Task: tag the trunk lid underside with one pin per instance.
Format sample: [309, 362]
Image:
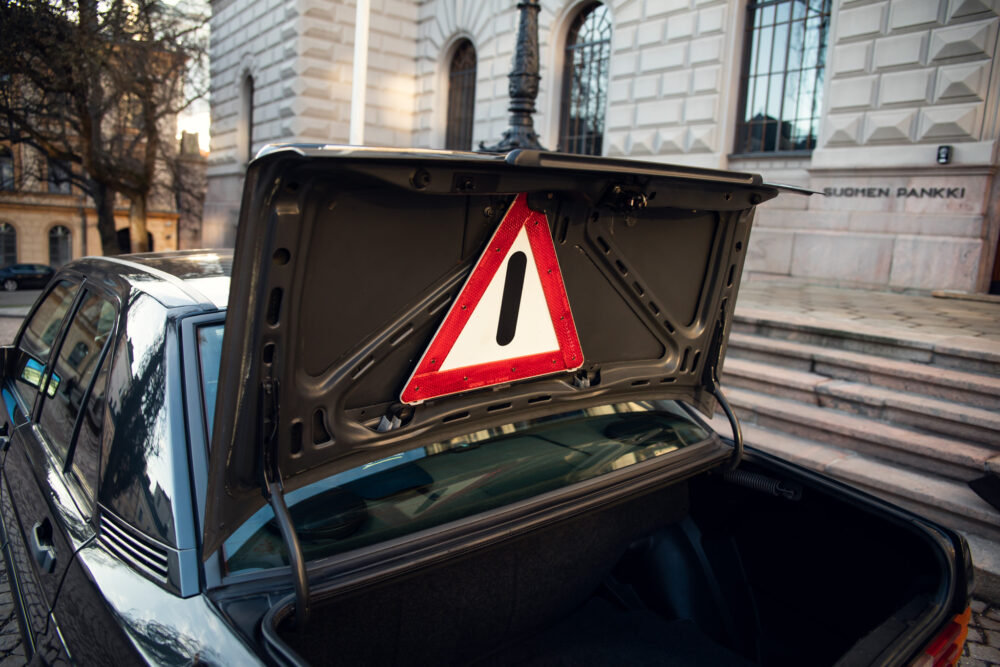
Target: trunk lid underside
[348, 260]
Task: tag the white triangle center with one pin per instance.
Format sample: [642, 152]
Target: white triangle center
[533, 334]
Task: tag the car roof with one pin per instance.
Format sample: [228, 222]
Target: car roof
[175, 279]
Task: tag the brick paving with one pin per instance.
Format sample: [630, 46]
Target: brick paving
[982, 647]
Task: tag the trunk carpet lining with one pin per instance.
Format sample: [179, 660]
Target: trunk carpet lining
[603, 634]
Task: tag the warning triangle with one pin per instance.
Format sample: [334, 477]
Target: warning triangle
[511, 320]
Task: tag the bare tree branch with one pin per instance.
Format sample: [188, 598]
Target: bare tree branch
[98, 84]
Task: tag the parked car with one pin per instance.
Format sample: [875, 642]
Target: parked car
[438, 408]
[25, 276]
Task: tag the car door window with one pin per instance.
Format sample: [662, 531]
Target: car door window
[73, 369]
[85, 454]
[37, 339]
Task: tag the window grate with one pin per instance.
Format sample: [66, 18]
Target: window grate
[782, 82]
[585, 81]
[461, 97]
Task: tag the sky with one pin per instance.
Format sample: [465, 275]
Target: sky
[196, 119]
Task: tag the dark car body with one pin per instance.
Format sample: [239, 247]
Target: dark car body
[109, 573]
[25, 276]
[128, 538]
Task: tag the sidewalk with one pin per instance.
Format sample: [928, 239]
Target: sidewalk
[970, 322]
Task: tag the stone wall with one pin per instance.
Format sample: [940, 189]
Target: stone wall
[903, 77]
[300, 54]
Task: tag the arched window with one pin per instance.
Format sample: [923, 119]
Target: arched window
[60, 246]
[461, 97]
[585, 81]
[245, 138]
[8, 244]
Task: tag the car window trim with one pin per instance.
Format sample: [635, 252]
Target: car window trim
[69, 473]
[197, 428]
[87, 507]
[30, 411]
[57, 343]
[105, 351]
[71, 276]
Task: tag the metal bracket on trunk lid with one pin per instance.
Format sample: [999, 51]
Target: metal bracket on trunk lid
[710, 378]
[274, 493]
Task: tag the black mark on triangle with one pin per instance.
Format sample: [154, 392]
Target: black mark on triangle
[510, 304]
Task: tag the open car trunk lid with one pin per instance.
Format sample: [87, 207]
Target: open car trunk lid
[349, 262]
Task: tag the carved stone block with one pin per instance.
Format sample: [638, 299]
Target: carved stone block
[962, 81]
[853, 92]
[900, 50]
[702, 139]
[956, 121]
[905, 87]
[851, 58]
[970, 39]
[843, 129]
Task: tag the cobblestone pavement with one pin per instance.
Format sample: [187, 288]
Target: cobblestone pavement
[982, 647]
[11, 646]
[905, 315]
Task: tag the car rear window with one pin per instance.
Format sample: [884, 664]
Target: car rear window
[452, 479]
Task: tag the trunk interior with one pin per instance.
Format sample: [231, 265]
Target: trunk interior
[704, 572]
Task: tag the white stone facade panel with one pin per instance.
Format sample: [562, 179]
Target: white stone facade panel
[938, 263]
[902, 77]
[862, 258]
[910, 13]
[769, 251]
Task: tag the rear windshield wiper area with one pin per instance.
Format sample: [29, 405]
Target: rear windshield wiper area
[453, 479]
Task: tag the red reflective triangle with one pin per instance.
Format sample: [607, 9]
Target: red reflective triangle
[511, 320]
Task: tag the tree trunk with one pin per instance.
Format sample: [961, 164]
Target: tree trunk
[104, 202]
[137, 224]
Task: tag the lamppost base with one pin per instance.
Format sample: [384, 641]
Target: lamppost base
[512, 139]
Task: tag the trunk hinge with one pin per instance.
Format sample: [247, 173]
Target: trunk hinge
[273, 491]
[710, 379]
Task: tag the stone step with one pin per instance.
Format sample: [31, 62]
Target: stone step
[790, 383]
[953, 420]
[965, 353]
[973, 389]
[950, 502]
[920, 451]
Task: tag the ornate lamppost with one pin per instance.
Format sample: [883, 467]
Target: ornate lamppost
[523, 87]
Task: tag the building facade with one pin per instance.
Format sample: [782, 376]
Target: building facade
[45, 219]
[890, 107]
